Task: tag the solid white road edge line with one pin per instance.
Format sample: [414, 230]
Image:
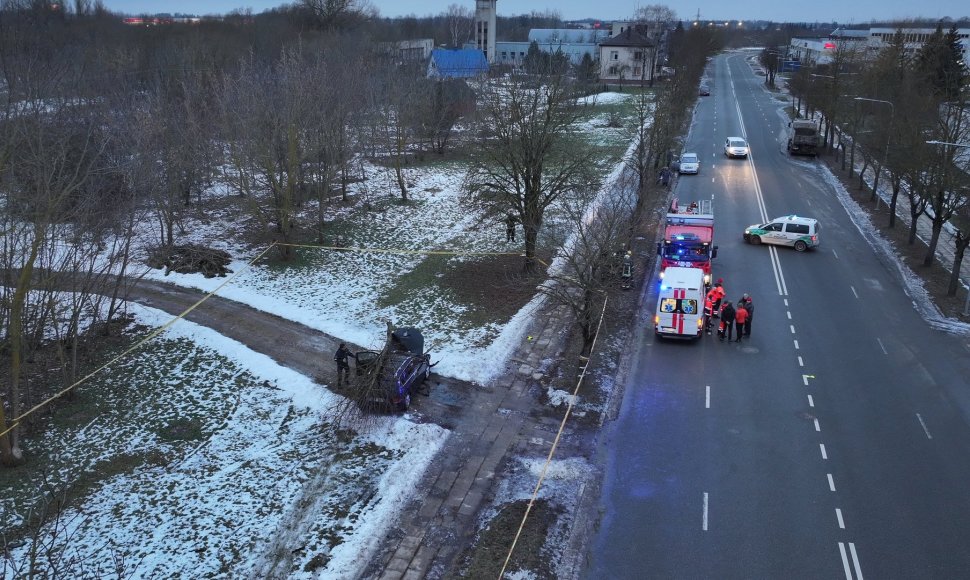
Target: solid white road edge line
[855, 561]
[845, 562]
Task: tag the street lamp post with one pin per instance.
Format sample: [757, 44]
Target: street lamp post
[966, 305]
[889, 136]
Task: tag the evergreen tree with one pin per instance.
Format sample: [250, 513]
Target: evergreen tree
[940, 62]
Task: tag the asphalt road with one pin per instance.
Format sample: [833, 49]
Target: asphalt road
[834, 442]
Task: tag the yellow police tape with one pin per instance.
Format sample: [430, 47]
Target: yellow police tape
[555, 444]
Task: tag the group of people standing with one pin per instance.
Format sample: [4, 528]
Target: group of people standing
[734, 318]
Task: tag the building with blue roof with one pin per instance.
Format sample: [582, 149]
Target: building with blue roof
[457, 63]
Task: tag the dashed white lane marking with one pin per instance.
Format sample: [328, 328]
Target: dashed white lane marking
[821, 446]
[792, 326]
[845, 562]
[796, 345]
[855, 561]
[806, 377]
[854, 292]
[838, 514]
[789, 315]
[800, 363]
[707, 397]
[811, 401]
[884, 351]
[817, 426]
[704, 525]
[786, 303]
[836, 254]
[831, 482]
[925, 430]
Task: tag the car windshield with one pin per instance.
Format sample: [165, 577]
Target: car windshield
[686, 252]
[737, 143]
[688, 159]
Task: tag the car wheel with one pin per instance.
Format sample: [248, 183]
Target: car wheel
[755, 240]
[404, 403]
[800, 246]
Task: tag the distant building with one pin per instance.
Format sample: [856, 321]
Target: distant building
[627, 58]
[485, 13]
[572, 42]
[418, 50]
[816, 51]
[456, 63]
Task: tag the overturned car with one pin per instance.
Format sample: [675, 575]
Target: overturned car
[391, 376]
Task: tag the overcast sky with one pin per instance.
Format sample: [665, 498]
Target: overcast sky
[856, 11]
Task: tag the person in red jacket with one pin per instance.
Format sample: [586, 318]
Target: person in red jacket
[740, 317]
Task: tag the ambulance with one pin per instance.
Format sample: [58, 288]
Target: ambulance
[680, 305]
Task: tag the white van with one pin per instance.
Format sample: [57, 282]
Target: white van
[680, 305]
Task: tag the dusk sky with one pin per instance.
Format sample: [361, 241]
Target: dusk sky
[856, 11]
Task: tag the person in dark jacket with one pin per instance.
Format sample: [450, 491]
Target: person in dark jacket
[740, 316]
[343, 367]
[727, 320]
[749, 306]
[510, 227]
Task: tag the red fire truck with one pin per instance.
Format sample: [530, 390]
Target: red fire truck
[689, 237]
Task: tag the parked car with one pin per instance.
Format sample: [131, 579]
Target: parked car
[795, 231]
[401, 372]
[735, 147]
[704, 91]
[689, 163]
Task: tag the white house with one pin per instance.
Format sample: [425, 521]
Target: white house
[627, 58]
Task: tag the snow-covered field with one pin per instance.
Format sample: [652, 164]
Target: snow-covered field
[205, 475]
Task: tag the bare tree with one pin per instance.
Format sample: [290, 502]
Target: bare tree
[950, 183]
[264, 114]
[334, 14]
[656, 19]
[592, 243]
[460, 24]
[529, 155]
[961, 221]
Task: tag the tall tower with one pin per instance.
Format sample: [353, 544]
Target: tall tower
[485, 28]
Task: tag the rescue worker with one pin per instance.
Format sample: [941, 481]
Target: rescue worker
[719, 286]
[727, 321]
[343, 367]
[740, 317]
[708, 312]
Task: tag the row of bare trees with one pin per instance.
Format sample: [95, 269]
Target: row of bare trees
[909, 114]
[104, 126]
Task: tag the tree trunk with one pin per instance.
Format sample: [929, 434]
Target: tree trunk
[938, 221]
[877, 169]
[960, 247]
[894, 200]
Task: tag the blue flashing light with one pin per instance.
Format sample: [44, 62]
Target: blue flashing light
[662, 287]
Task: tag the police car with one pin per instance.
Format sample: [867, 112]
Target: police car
[795, 231]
